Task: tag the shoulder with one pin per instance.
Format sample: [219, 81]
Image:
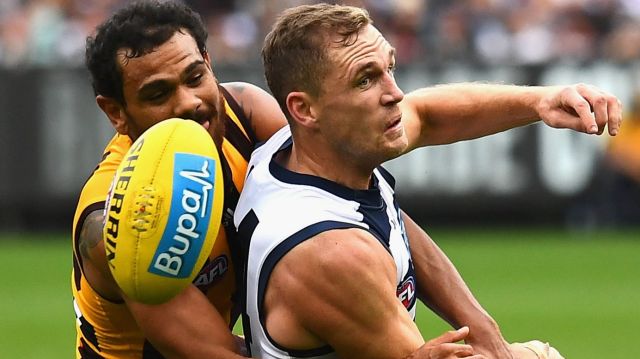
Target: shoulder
[347, 259]
[240, 90]
[260, 108]
[344, 274]
[94, 190]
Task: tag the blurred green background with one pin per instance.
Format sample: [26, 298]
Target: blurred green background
[578, 290]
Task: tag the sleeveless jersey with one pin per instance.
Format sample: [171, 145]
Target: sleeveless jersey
[279, 209]
[106, 329]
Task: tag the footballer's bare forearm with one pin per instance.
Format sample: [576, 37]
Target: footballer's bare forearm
[456, 112]
[187, 326]
[441, 287]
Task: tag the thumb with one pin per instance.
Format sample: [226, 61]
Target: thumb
[451, 336]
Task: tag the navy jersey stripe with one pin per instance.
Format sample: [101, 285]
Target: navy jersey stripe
[378, 222]
[369, 197]
[387, 176]
[245, 232]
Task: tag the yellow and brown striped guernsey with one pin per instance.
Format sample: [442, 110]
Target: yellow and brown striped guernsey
[106, 329]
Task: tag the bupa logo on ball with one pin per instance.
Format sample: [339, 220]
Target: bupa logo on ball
[191, 200]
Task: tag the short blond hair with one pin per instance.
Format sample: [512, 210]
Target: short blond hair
[295, 54]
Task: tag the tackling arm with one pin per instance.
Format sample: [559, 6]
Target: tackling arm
[260, 108]
[187, 326]
[443, 290]
[449, 113]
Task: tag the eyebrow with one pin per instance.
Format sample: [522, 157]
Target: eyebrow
[369, 64]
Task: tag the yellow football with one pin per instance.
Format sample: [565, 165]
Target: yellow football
[163, 211]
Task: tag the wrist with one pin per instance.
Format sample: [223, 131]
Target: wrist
[485, 328]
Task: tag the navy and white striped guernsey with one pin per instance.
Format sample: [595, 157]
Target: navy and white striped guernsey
[279, 209]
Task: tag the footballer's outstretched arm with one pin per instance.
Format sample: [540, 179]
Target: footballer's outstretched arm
[455, 112]
[187, 326]
[338, 288]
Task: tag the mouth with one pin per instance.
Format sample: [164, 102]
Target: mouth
[202, 122]
[202, 119]
[395, 123]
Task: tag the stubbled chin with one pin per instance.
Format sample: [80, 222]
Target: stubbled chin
[399, 146]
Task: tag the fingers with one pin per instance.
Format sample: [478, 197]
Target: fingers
[445, 346]
[579, 101]
[451, 336]
[447, 351]
[598, 110]
[451, 350]
[615, 116]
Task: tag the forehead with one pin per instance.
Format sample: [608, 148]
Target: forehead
[163, 61]
[370, 47]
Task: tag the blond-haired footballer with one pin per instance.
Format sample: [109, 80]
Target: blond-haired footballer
[332, 270]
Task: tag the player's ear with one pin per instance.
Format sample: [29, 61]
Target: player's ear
[113, 110]
[300, 106]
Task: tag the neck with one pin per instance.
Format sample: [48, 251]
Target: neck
[339, 169]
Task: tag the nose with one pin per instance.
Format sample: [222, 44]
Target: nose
[187, 103]
[392, 94]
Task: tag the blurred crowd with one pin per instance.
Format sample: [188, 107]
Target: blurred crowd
[493, 32]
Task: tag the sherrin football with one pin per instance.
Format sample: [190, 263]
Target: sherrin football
[163, 211]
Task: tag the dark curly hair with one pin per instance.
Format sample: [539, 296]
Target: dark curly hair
[138, 27]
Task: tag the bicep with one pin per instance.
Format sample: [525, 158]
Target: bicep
[94, 260]
[90, 238]
[346, 296]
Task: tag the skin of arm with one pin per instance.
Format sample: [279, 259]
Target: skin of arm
[442, 289]
[260, 108]
[187, 326]
[449, 113]
[346, 277]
